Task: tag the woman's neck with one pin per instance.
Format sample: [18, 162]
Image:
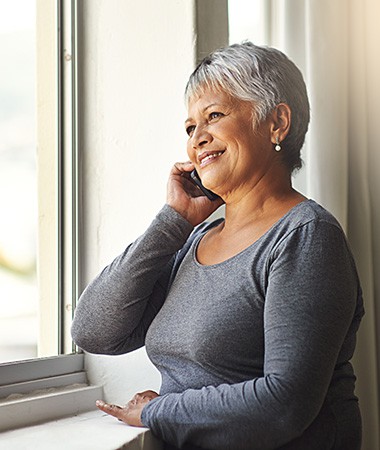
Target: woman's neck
[263, 203]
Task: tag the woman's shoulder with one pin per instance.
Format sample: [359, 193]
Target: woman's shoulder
[309, 212]
[308, 225]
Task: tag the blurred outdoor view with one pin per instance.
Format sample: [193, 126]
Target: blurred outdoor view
[18, 183]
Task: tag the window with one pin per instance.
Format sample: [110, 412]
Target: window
[38, 111]
[39, 226]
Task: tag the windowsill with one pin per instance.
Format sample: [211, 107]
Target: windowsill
[22, 410]
[45, 389]
[92, 429]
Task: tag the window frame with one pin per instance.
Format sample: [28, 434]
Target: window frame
[68, 172]
[58, 243]
[47, 378]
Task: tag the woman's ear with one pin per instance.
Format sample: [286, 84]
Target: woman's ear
[281, 120]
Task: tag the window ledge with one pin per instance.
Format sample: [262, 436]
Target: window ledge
[47, 404]
[92, 429]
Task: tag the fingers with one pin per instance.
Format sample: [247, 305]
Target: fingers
[131, 412]
[113, 410]
[121, 413]
[117, 411]
[180, 167]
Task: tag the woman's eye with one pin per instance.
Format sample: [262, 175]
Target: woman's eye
[215, 115]
[190, 129]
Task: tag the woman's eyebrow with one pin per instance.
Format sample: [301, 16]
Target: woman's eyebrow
[211, 105]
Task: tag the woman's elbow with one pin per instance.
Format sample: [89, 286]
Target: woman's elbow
[83, 339]
[96, 343]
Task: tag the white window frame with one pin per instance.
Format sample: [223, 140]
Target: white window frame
[68, 172]
[53, 386]
[59, 204]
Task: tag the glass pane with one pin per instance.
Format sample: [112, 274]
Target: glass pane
[18, 183]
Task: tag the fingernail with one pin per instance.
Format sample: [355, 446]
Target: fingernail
[99, 403]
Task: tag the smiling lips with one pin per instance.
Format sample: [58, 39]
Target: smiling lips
[206, 157]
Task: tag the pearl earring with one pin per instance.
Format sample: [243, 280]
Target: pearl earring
[278, 146]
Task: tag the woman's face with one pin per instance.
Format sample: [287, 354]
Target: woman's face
[228, 149]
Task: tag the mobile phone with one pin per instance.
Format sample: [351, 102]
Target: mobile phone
[209, 194]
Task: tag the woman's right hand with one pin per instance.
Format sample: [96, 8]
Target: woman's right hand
[186, 198]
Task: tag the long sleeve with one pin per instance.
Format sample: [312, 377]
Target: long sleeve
[116, 309]
[311, 314]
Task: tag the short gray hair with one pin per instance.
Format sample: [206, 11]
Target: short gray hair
[263, 76]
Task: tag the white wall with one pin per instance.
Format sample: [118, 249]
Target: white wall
[136, 57]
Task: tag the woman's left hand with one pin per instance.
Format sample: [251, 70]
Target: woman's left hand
[131, 412]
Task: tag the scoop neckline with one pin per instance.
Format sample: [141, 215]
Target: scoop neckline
[228, 260]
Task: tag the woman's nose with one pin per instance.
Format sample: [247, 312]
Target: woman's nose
[200, 137]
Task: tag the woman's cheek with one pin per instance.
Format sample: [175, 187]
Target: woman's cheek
[191, 153]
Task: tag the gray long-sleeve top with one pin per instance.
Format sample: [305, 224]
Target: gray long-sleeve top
[254, 352]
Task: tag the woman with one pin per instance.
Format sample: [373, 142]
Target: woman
[251, 320]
